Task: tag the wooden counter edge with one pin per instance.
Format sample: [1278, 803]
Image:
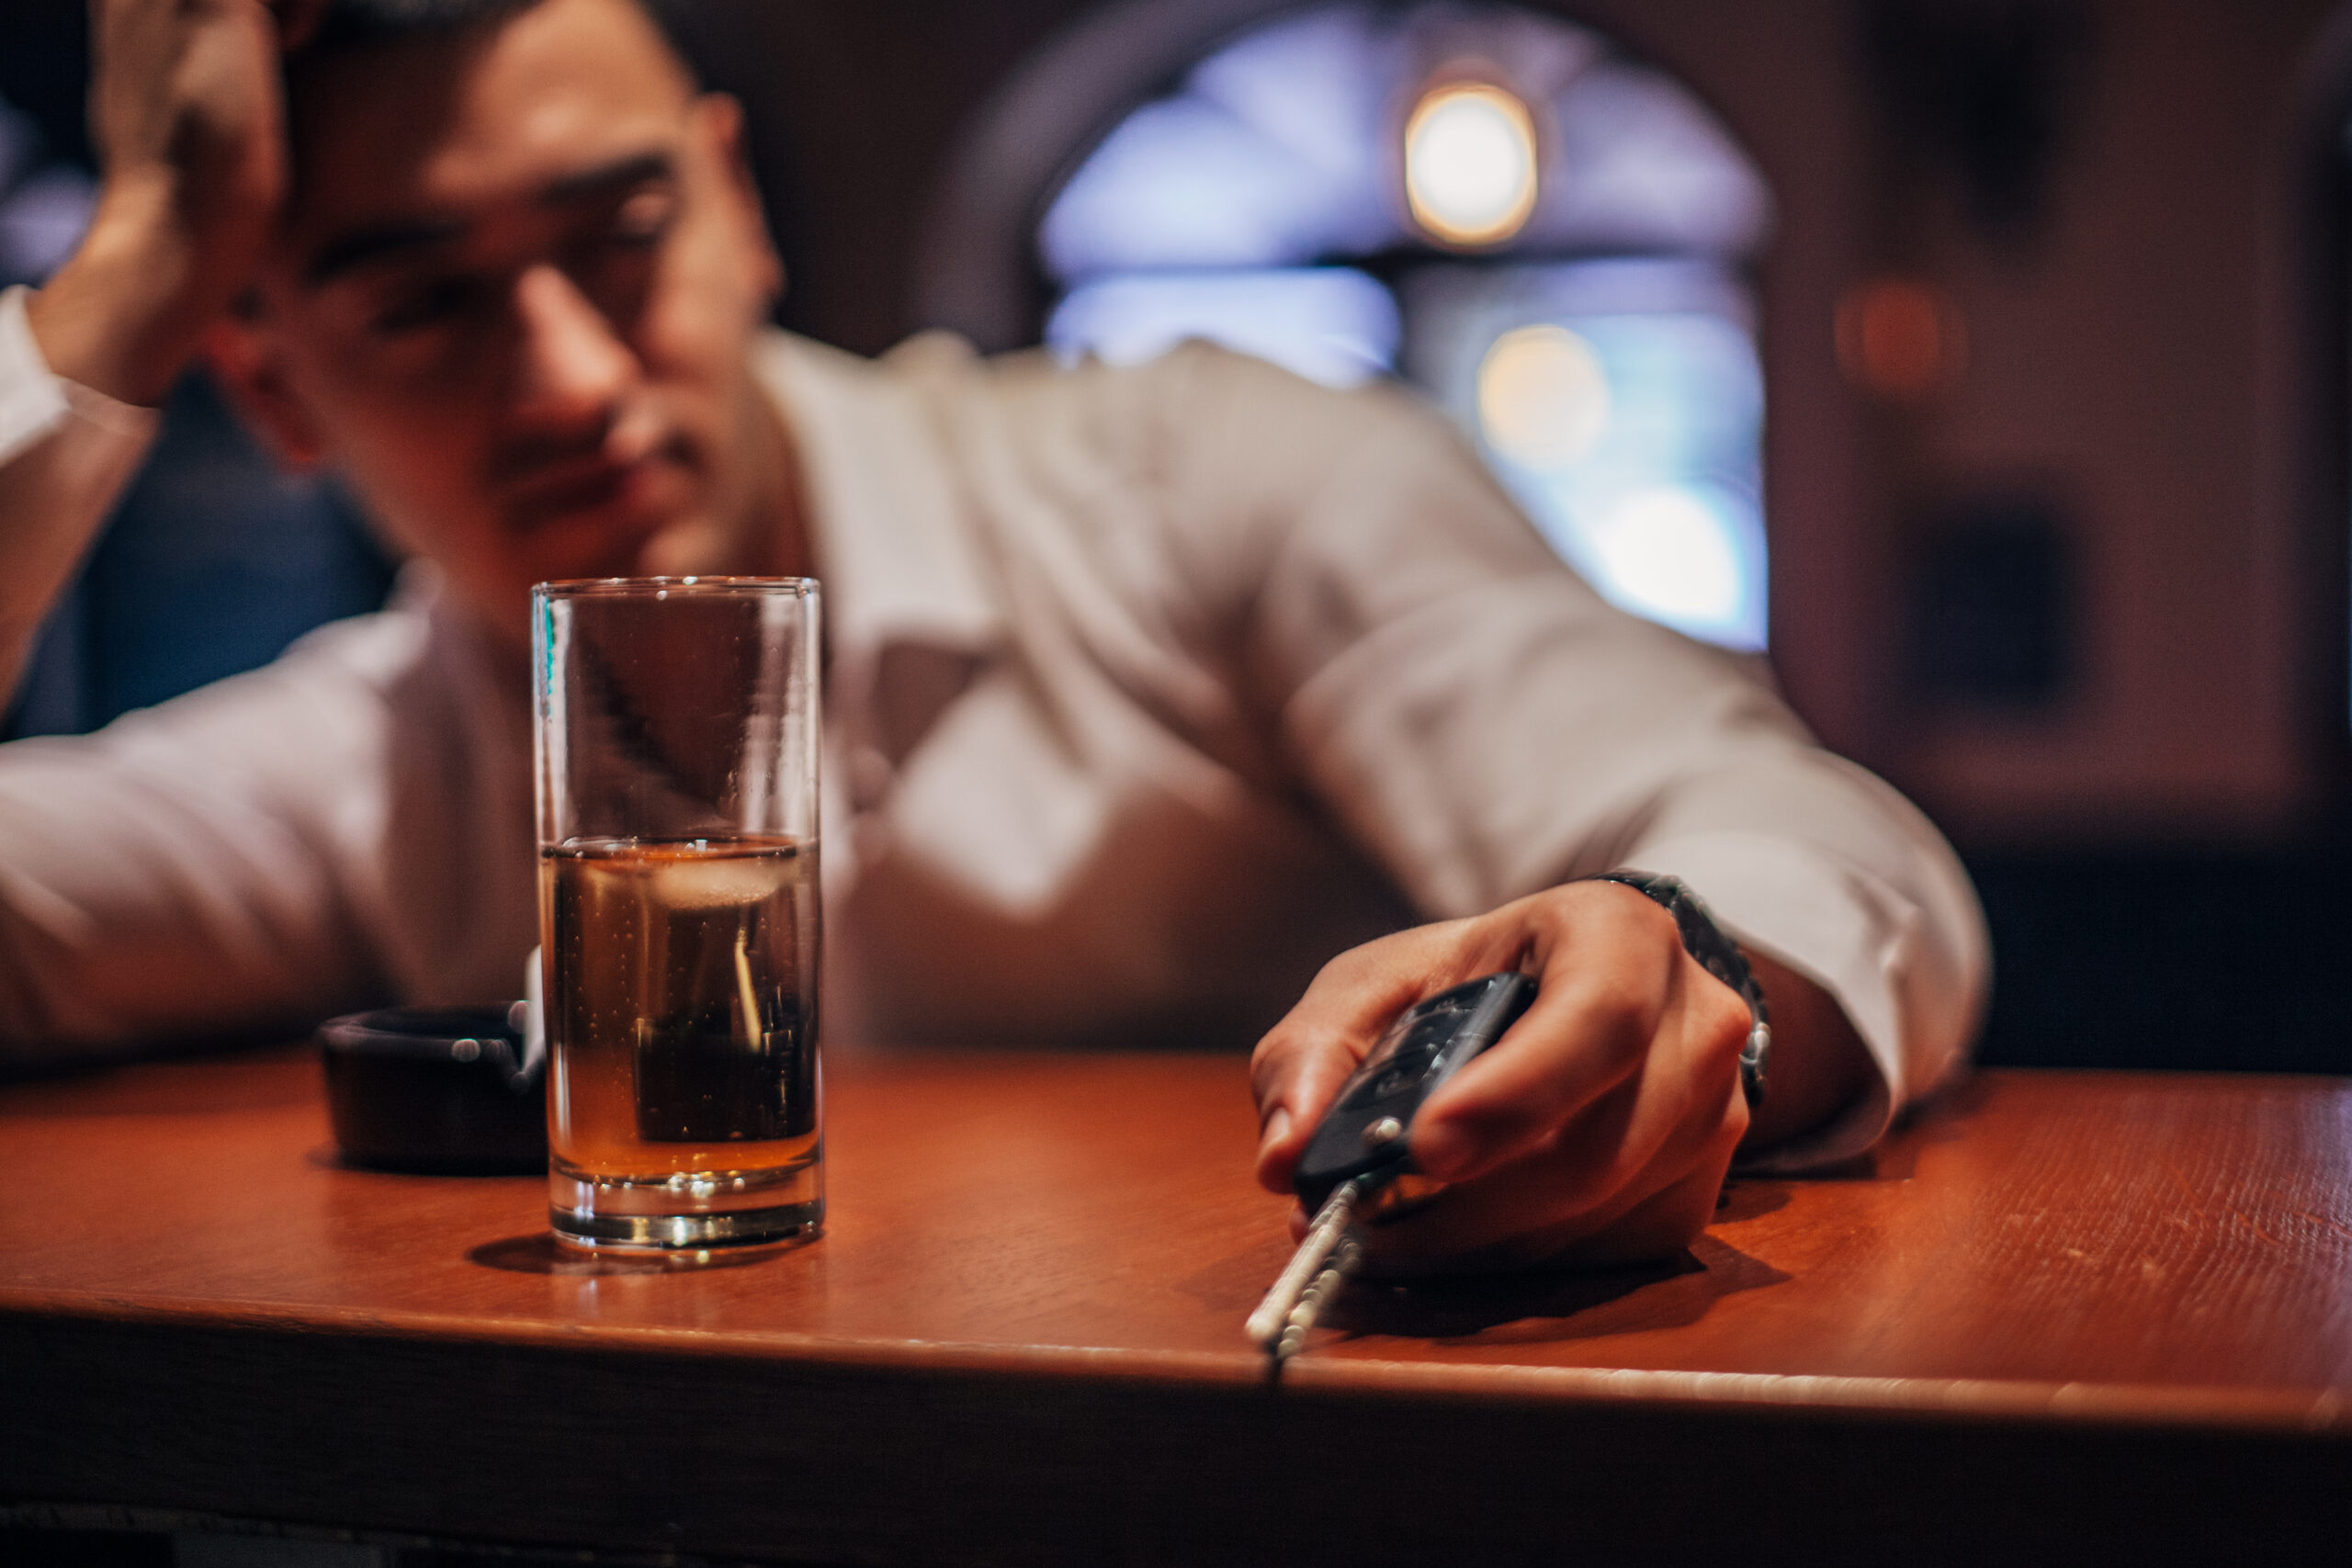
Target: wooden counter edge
[2323, 1413]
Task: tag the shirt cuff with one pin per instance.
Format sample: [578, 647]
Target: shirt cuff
[1857, 938]
[32, 398]
[35, 399]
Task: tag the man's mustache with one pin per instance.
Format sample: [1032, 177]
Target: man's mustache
[614, 443]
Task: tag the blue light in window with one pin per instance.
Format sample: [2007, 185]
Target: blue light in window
[1621, 402]
[1330, 324]
[1185, 183]
[1660, 506]
[1631, 427]
[1648, 169]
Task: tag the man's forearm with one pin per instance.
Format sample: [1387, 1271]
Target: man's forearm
[65, 453]
[105, 337]
[185, 107]
[125, 315]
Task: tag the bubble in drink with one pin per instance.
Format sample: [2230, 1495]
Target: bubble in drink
[682, 1009]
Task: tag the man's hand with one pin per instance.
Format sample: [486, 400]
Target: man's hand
[190, 127]
[1599, 1126]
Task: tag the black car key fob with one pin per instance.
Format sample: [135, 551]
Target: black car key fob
[1366, 1132]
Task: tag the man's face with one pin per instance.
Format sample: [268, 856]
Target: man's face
[512, 301]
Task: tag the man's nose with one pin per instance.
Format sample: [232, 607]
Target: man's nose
[573, 366]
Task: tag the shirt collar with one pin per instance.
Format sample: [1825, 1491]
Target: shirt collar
[887, 521]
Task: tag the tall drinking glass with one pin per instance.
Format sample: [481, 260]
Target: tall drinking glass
[676, 733]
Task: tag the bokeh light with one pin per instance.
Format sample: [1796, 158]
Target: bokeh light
[1900, 338]
[1593, 331]
[1543, 396]
[1669, 554]
[1470, 165]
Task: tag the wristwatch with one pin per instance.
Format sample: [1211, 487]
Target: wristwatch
[1719, 957]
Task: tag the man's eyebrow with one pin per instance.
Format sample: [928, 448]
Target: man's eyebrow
[635, 169]
[363, 245]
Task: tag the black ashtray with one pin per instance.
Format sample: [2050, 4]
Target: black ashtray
[443, 1090]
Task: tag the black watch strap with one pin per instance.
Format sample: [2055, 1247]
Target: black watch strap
[1719, 957]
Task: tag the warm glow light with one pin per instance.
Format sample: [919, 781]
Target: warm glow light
[1470, 165]
[1901, 339]
[1667, 553]
[1543, 396]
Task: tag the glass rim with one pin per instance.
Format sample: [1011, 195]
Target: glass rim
[696, 586]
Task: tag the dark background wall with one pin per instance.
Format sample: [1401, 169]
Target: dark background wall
[2086, 597]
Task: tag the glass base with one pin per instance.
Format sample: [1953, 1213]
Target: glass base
[687, 1211]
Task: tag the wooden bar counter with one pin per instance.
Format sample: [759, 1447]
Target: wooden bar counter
[2065, 1318]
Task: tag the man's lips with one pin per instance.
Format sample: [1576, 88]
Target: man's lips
[590, 516]
[566, 489]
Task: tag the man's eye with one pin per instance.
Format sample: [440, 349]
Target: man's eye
[644, 217]
[425, 304]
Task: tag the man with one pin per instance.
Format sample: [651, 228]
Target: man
[1150, 690]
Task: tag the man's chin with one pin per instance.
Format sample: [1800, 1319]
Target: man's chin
[651, 526]
[605, 542]
[578, 551]
[689, 548]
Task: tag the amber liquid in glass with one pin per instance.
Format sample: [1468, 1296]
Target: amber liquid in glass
[682, 1012]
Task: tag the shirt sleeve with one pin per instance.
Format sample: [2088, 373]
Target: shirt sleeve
[1484, 724]
[179, 873]
[65, 453]
[347, 826]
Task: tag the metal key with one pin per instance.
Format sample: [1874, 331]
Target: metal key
[1311, 1278]
[1361, 1145]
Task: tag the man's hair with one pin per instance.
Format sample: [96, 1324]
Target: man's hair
[355, 27]
[352, 25]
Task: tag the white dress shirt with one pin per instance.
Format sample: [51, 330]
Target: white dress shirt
[1150, 688]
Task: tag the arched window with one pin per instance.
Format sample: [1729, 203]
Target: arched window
[1550, 238]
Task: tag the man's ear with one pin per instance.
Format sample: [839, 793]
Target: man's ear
[247, 361]
[722, 115]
